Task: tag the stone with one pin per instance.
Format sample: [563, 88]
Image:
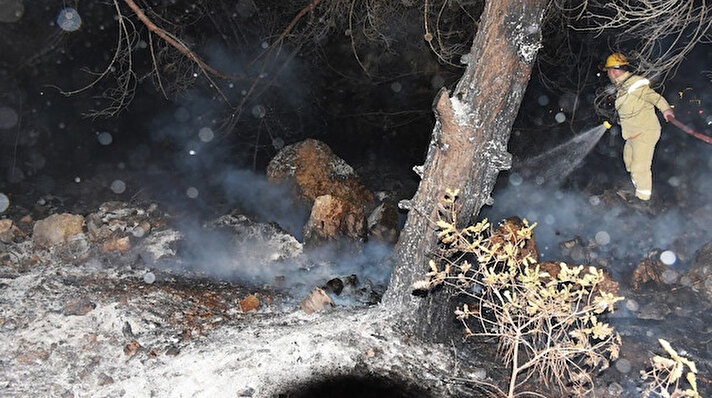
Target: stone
[56, 229]
[335, 286]
[250, 303]
[160, 246]
[332, 218]
[132, 348]
[9, 232]
[650, 269]
[257, 242]
[313, 168]
[78, 307]
[120, 245]
[700, 273]
[316, 301]
[383, 223]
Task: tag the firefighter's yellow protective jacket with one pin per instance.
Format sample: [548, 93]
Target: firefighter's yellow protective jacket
[635, 104]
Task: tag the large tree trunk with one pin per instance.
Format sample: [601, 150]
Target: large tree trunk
[467, 151]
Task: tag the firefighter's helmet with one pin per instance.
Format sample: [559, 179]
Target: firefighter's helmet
[616, 61]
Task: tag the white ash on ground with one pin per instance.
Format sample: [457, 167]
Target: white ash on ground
[87, 330]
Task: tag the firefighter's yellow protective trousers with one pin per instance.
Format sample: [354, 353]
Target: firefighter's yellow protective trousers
[635, 103]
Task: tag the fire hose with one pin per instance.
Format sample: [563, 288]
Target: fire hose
[689, 130]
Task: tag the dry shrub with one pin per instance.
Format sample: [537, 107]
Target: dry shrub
[546, 324]
[665, 379]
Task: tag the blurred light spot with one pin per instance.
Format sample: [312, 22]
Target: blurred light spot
[539, 180]
[77, 179]
[560, 117]
[138, 231]
[62, 125]
[192, 192]
[192, 152]
[549, 219]
[532, 216]
[182, 115]
[674, 181]
[8, 117]
[594, 200]
[69, 20]
[259, 111]
[670, 276]
[396, 87]
[558, 195]
[515, 179]
[632, 305]
[104, 138]
[623, 365]
[4, 202]
[543, 100]
[118, 186]
[278, 143]
[142, 44]
[149, 277]
[265, 45]
[206, 134]
[11, 10]
[603, 238]
[668, 257]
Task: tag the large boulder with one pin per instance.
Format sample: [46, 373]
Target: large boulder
[333, 217]
[56, 229]
[316, 170]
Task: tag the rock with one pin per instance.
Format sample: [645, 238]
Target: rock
[78, 307]
[120, 245]
[257, 242]
[316, 301]
[160, 245]
[132, 348]
[700, 274]
[315, 170]
[655, 311]
[332, 218]
[335, 286]
[104, 380]
[651, 269]
[9, 232]
[383, 223]
[56, 229]
[249, 303]
[32, 356]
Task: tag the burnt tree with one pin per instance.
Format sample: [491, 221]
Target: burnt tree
[467, 151]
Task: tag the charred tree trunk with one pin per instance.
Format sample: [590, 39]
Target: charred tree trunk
[467, 151]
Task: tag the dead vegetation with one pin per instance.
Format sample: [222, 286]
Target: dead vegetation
[549, 326]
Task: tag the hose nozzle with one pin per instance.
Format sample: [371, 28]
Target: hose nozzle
[607, 125]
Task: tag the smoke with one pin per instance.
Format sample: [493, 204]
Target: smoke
[617, 234]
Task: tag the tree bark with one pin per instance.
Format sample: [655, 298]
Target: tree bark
[467, 151]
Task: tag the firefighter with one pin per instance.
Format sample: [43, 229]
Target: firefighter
[635, 105]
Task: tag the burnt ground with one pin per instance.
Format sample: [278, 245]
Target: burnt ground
[105, 324]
